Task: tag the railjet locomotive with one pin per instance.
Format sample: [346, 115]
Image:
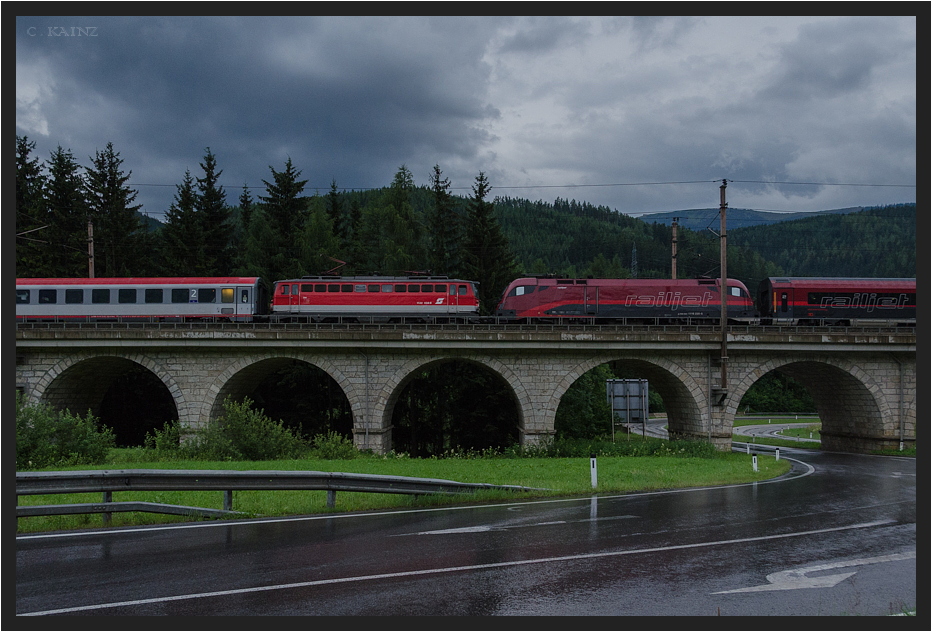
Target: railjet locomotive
[647, 300]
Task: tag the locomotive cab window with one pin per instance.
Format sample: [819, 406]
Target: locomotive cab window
[285, 289]
[463, 290]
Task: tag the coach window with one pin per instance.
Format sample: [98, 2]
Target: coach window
[22, 297]
[127, 295]
[180, 295]
[153, 295]
[207, 295]
[74, 297]
[244, 295]
[48, 297]
[783, 302]
[387, 287]
[226, 295]
[100, 296]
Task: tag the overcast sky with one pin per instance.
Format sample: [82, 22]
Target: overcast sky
[609, 110]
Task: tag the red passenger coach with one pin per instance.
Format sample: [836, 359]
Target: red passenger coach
[374, 297]
[167, 298]
[649, 300]
[837, 301]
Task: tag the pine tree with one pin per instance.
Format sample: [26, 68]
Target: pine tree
[213, 215]
[117, 228]
[444, 227]
[488, 257]
[286, 214]
[31, 224]
[182, 242]
[67, 252]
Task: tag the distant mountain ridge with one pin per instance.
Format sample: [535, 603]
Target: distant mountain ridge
[704, 218]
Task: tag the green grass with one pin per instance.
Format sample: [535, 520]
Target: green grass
[560, 476]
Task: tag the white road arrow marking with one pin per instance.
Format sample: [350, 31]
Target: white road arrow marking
[795, 579]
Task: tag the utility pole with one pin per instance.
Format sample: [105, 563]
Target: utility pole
[724, 294]
[90, 248]
[675, 220]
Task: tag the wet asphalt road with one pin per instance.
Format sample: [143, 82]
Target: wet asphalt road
[835, 537]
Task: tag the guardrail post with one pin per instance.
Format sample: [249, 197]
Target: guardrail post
[108, 498]
[228, 500]
[331, 498]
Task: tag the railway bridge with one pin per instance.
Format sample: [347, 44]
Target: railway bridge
[863, 381]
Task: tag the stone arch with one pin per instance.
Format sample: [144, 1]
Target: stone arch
[240, 377]
[684, 398]
[851, 403]
[385, 400]
[80, 382]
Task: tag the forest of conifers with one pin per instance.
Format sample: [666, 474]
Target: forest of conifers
[282, 230]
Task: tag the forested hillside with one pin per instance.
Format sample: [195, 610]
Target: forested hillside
[876, 242]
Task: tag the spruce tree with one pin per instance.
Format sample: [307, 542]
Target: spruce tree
[31, 220]
[117, 229]
[443, 227]
[213, 215]
[488, 257]
[182, 241]
[66, 254]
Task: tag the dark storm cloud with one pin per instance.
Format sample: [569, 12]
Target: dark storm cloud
[528, 100]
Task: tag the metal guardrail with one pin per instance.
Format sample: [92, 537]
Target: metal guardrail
[109, 481]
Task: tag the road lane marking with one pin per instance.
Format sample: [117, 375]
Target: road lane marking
[451, 569]
[798, 578]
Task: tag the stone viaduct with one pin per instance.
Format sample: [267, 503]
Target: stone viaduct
[864, 383]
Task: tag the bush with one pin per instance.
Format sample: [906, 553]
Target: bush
[333, 446]
[241, 434]
[46, 437]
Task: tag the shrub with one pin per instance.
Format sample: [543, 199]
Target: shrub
[243, 434]
[333, 446]
[47, 437]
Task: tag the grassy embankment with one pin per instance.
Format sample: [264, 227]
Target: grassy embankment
[558, 476]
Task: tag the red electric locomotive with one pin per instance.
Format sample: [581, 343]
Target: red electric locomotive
[835, 301]
[374, 297]
[645, 300]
